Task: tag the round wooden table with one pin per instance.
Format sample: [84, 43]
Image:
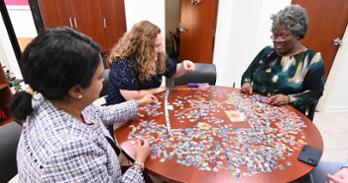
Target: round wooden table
[217, 134]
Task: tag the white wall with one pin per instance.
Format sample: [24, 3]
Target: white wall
[23, 24]
[242, 31]
[22, 21]
[7, 55]
[151, 10]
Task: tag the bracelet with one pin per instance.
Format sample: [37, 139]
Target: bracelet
[290, 98]
[139, 166]
[136, 168]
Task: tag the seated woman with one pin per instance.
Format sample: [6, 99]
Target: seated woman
[138, 63]
[289, 72]
[63, 137]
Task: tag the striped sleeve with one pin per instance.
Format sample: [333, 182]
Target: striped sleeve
[117, 112]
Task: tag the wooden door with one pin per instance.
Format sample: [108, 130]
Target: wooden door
[327, 21]
[198, 18]
[88, 19]
[114, 20]
[56, 13]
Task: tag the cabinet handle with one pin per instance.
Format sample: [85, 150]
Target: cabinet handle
[70, 21]
[104, 20]
[75, 22]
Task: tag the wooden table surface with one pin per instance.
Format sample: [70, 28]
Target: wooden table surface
[287, 168]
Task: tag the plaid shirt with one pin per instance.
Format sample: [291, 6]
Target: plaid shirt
[55, 147]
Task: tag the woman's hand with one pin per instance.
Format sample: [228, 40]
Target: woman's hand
[183, 67]
[142, 150]
[147, 99]
[279, 99]
[339, 177]
[159, 90]
[188, 65]
[247, 88]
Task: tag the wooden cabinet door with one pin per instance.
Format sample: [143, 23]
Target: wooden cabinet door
[114, 20]
[56, 13]
[102, 20]
[88, 19]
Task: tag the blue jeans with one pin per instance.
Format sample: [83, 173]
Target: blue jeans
[319, 175]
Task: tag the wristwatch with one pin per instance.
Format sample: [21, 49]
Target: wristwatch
[138, 166]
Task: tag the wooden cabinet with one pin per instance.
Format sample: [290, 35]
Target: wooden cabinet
[56, 13]
[102, 20]
[114, 19]
[5, 97]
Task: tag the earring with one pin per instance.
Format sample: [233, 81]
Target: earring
[79, 96]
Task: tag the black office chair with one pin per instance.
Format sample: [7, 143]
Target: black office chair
[106, 82]
[9, 137]
[203, 73]
[310, 110]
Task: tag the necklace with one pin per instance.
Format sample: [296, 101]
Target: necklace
[302, 49]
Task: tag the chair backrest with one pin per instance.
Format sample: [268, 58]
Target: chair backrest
[106, 82]
[310, 110]
[203, 73]
[9, 137]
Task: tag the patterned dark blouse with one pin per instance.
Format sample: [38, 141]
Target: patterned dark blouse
[123, 76]
[299, 76]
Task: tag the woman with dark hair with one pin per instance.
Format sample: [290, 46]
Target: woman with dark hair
[63, 137]
[289, 72]
[138, 63]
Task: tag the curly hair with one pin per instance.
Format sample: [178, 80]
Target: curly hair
[294, 18]
[138, 47]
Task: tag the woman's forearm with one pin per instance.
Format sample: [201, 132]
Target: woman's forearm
[179, 70]
[137, 94]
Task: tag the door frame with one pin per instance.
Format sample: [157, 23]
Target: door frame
[37, 17]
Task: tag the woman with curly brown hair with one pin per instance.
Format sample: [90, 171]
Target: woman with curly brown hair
[138, 63]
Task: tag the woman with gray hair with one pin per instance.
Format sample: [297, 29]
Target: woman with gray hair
[288, 72]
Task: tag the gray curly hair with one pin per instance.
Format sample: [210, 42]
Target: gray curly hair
[294, 18]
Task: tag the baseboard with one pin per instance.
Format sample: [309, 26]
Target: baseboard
[337, 109]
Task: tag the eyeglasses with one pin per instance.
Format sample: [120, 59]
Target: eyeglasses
[282, 37]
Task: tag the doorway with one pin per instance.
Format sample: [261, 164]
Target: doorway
[190, 29]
